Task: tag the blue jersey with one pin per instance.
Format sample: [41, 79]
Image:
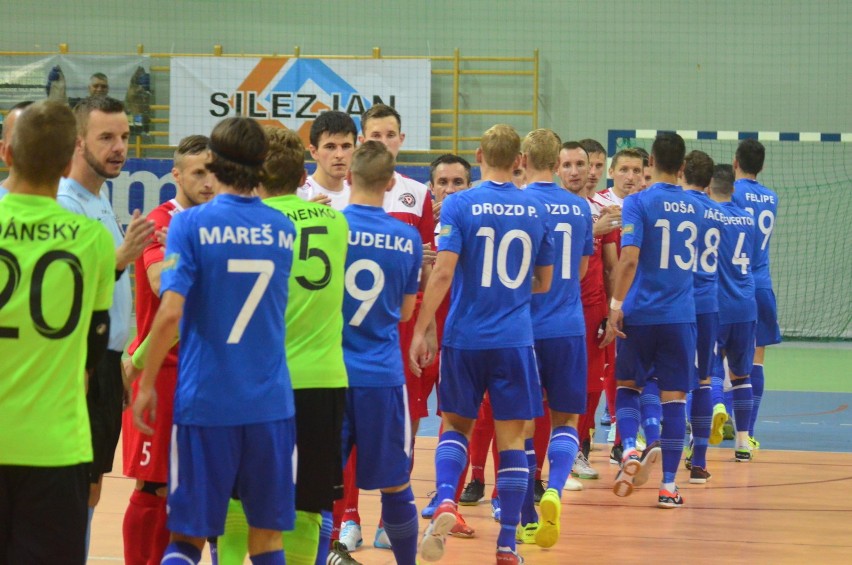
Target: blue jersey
[382, 266]
[705, 275]
[559, 312]
[736, 283]
[761, 203]
[663, 223]
[230, 259]
[499, 234]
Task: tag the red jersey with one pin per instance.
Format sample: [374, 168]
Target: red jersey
[592, 290]
[606, 198]
[410, 202]
[146, 301]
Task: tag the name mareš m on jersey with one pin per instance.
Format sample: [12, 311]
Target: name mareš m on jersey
[241, 235]
[23, 231]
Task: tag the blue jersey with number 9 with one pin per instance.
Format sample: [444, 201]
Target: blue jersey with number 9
[230, 259]
[761, 203]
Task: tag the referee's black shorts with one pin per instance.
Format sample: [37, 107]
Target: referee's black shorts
[43, 514]
[319, 427]
[105, 402]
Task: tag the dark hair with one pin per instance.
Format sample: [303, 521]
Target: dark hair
[569, 145]
[332, 123]
[698, 169]
[285, 161]
[449, 159]
[191, 145]
[644, 153]
[668, 151]
[43, 142]
[20, 106]
[629, 153]
[90, 104]
[750, 156]
[592, 146]
[372, 166]
[100, 76]
[238, 147]
[380, 111]
[722, 181]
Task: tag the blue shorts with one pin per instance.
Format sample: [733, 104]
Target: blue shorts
[377, 422]
[509, 375]
[664, 351]
[737, 341]
[562, 367]
[768, 332]
[210, 464]
[705, 350]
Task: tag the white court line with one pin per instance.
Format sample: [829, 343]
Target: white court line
[769, 422]
[846, 424]
[809, 423]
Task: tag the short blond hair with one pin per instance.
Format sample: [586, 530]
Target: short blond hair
[372, 166]
[285, 161]
[500, 146]
[43, 142]
[542, 146]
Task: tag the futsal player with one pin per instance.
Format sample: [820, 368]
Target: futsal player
[233, 409]
[382, 278]
[558, 328]
[146, 457]
[60, 272]
[696, 176]
[653, 312]
[762, 203]
[494, 262]
[738, 311]
[102, 137]
[8, 127]
[332, 142]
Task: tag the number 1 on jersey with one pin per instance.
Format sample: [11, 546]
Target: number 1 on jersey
[264, 269]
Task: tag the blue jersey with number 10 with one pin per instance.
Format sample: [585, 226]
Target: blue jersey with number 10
[664, 223]
[736, 283]
[230, 259]
[500, 234]
[559, 312]
[761, 203]
[382, 266]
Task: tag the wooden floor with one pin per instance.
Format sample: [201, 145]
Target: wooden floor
[784, 507]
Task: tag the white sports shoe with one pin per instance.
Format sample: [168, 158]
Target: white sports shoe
[573, 484]
[350, 535]
[583, 469]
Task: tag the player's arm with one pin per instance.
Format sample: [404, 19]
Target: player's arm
[153, 272]
[542, 278]
[436, 289]
[584, 266]
[609, 220]
[609, 254]
[625, 272]
[408, 303]
[163, 333]
[139, 230]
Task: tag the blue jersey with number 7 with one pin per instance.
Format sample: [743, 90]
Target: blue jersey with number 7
[500, 234]
[230, 259]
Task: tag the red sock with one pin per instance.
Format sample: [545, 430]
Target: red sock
[144, 529]
[609, 387]
[540, 439]
[483, 433]
[350, 491]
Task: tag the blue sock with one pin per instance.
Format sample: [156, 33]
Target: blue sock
[729, 402]
[742, 403]
[512, 477]
[268, 558]
[564, 444]
[688, 406]
[528, 513]
[757, 382]
[325, 537]
[701, 417]
[399, 515]
[649, 408]
[671, 438]
[213, 544]
[627, 416]
[91, 510]
[179, 552]
[450, 460]
[717, 381]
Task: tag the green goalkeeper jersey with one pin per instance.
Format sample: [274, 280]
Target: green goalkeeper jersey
[314, 316]
[56, 268]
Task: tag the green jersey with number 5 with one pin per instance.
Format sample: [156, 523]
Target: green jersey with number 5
[56, 268]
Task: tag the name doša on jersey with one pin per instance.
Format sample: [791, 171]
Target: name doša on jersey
[241, 235]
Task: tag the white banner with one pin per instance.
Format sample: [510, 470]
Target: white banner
[66, 77]
[291, 92]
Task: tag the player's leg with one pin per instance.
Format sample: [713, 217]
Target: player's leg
[701, 411]
[541, 438]
[480, 443]
[528, 525]
[767, 333]
[650, 411]
[739, 351]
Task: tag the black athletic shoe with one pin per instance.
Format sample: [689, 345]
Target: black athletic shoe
[698, 475]
[606, 420]
[473, 493]
[616, 454]
[539, 490]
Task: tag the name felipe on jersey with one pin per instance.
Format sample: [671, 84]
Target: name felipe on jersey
[680, 206]
[498, 209]
[752, 197]
[242, 235]
[38, 232]
[563, 209]
[381, 241]
[718, 216]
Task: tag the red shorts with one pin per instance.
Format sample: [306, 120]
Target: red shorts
[594, 315]
[419, 388]
[146, 458]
